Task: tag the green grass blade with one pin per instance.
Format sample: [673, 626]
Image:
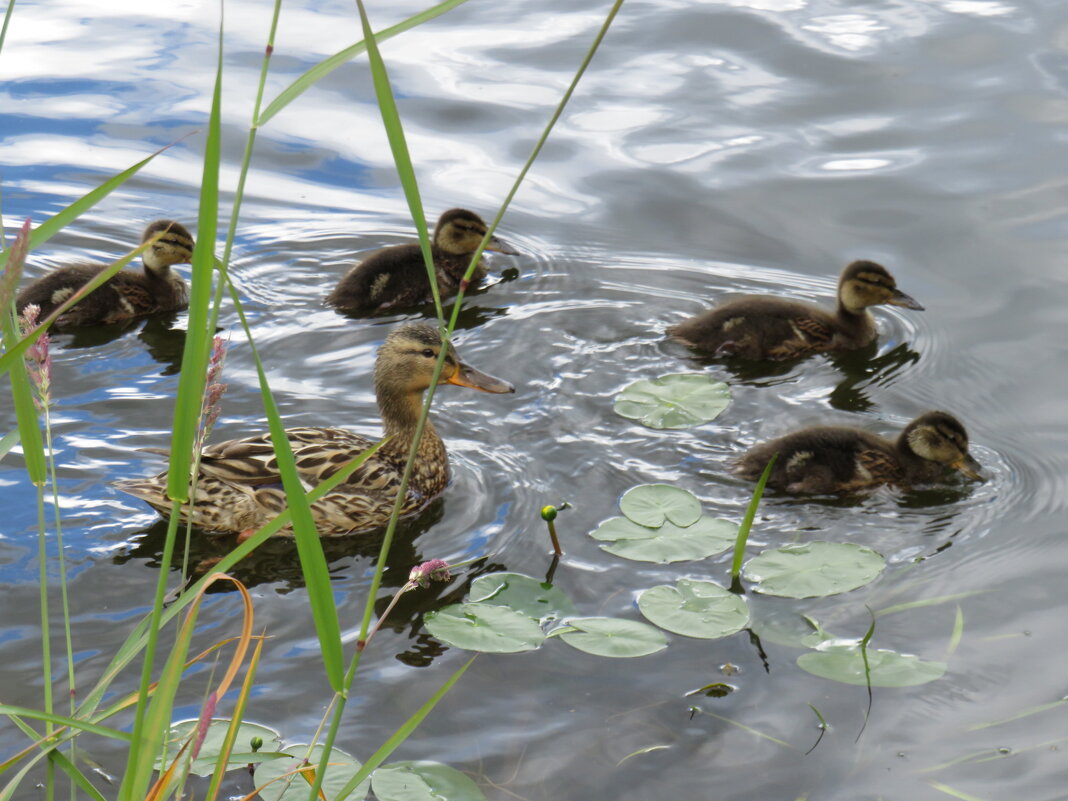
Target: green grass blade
[61, 720]
[747, 521]
[190, 394]
[7, 20]
[9, 441]
[402, 733]
[957, 635]
[309, 548]
[477, 256]
[402, 159]
[21, 393]
[324, 68]
[50, 227]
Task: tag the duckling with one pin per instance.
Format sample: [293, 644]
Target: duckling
[125, 295]
[239, 487]
[396, 276]
[826, 459]
[758, 327]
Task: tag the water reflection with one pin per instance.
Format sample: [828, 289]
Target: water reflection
[276, 561]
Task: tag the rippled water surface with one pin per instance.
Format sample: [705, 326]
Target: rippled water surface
[713, 149]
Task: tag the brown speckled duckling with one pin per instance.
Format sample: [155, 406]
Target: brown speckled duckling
[759, 327]
[239, 488]
[128, 293]
[396, 276]
[825, 459]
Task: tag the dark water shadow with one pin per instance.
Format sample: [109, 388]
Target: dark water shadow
[863, 367]
[276, 561]
[163, 342]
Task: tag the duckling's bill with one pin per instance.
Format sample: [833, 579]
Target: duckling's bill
[899, 298]
[500, 246]
[468, 376]
[969, 466]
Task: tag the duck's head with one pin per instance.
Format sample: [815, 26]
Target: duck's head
[940, 437]
[865, 283]
[460, 231]
[175, 245]
[405, 365]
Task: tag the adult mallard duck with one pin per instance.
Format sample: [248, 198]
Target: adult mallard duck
[239, 488]
[128, 293]
[825, 459]
[759, 327]
[396, 276]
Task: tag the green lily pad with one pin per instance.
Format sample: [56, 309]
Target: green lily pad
[678, 400]
[845, 663]
[669, 543]
[340, 769]
[610, 636]
[423, 781]
[524, 594]
[654, 504]
[485, 627]
[813, 569]
[694, 609]
[204, 764]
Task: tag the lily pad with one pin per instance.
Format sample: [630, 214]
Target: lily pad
[678, 400]
[845, 663]
[610, 636]
[669, 543]
[423, 781]
[485, 627]
[692, 608]
[813, 569]
[204, 764]
[524, 594]
[654, 504]
[340, 769]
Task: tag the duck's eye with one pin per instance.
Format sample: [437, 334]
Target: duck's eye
[429, 353]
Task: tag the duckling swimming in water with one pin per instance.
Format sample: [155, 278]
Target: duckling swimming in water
[759, 327]
[240, 489]
[125, 295]
[826, 459]
[396, 276]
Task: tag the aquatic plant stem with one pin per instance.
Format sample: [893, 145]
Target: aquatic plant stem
[7, 20]
[46, 636]
[747, 524]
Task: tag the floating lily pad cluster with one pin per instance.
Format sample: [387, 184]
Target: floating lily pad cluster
[663, 524]
[677, 400]
[276, 766]
[506, 612]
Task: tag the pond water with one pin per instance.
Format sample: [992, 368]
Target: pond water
[713, 148]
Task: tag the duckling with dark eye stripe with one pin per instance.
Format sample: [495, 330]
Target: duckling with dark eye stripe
[759, 327]
[396, 276]
[128, 293]
[826, 459]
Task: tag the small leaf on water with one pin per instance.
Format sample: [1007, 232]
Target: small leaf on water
[204, 764]
[524, 594]
[423, 781]
[693, 608]
[615, 637]
[485, 627]
[813, 569]
[653, 504]
[342, 767]
[669, 543]
[845, 663]
[678, 400]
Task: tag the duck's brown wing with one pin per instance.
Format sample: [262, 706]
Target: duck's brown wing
[318, 452]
